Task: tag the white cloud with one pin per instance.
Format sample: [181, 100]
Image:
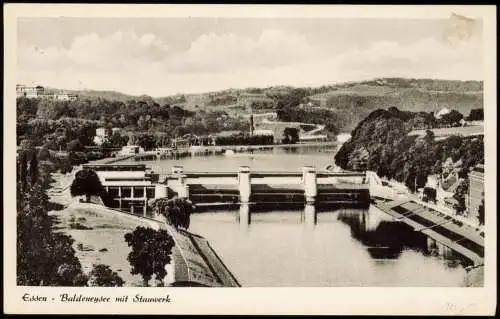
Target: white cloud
[113, 52]
[145, 64]
[429, 57]
[118, 50]
[230, 52]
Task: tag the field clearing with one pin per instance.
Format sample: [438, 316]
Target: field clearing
[373, 90]
[363, 90]
[449, 131]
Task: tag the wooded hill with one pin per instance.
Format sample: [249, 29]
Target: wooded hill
[381, 143]
[350, 102]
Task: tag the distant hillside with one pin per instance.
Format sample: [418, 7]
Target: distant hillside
[109, 95]
[354, 101]
[350, 101]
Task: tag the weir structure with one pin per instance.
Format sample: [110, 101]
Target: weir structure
[307, 189]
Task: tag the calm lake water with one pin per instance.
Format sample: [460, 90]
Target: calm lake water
[347, 247]
[263, 160]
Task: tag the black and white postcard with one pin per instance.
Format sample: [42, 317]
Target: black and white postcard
[257, 159]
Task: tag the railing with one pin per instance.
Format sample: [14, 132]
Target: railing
[268, 174]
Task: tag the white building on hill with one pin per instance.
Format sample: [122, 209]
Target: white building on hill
[29, 91]
[100, 136]
[33, 92]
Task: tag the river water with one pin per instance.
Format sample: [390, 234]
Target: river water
[347, 247]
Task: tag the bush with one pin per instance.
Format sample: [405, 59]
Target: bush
[75, 146]
[429, 194]
[77, 158]
[79, 226]
[102, 276]
[177, 211]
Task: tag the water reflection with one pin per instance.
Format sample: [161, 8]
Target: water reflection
[344, 247]
[382, 238]
[385, 238]
[244, 217]
[309, 216]
[273, 246]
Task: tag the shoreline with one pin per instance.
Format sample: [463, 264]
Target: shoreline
[198, 150]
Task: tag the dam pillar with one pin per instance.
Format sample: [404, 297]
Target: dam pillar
[310, 184]
[182, 188]
[183, 191]
[244, 184]
[160, 191]
[245, 189]
[310, 216]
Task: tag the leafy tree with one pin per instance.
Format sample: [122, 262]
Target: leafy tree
[460, 193]
[75, 146]
[359, 159]
[244, 139]
[33, 169]
[451, 118]
[429, 136]
[115, 140]
[43, 154]
[480, 212]
[429, 194]
[146, 141]
[150, 252]
[77, 158]
[86, 183]
[70, 274]
[476, 115]
[177, 211]
[48, 109]
[43, 257]
[290, 135]
[102, 276]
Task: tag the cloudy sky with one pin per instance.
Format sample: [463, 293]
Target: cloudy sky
[162, 56]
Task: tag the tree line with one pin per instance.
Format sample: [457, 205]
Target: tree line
[60, 122]
[46, 257]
